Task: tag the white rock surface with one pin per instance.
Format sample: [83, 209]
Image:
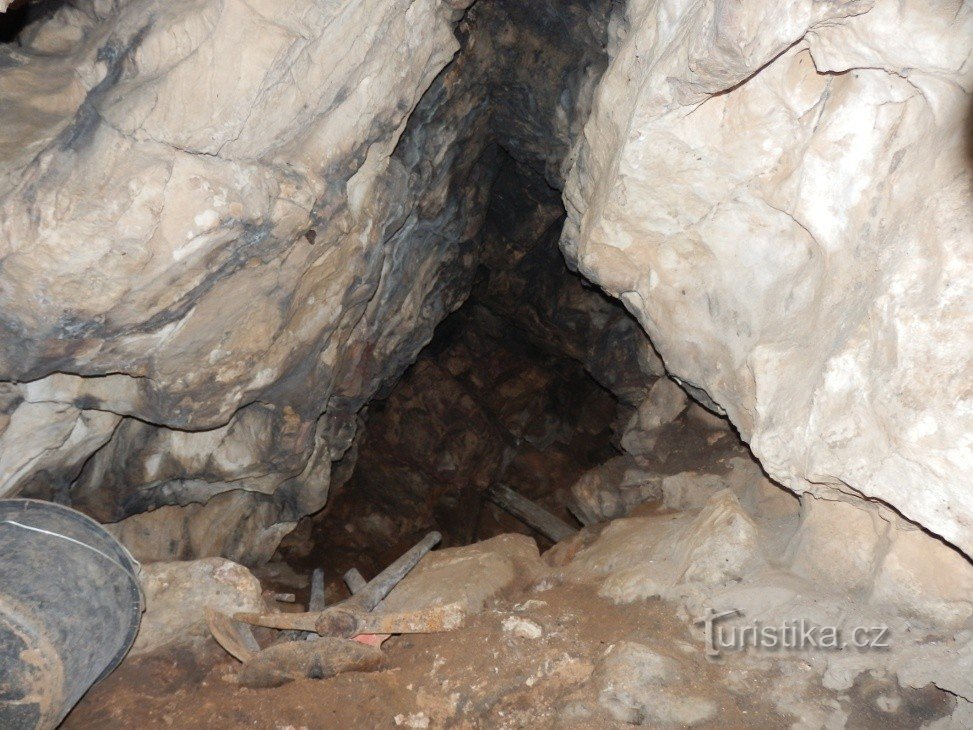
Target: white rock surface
[639, 686]
[469, 576]
[210, 256]
[664, 403]
[225, 224]
[178, 593]
[780, 192]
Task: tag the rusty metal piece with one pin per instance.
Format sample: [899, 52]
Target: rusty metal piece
[282, 621]
[425, 621]
[346, 622]
[236, 637]
[326, 657]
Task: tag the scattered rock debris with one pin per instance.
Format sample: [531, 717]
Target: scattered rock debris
[599, 631]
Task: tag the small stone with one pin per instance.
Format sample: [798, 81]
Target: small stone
[522, 627]
[413, 720]
[529, 605]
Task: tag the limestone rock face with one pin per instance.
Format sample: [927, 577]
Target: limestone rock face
[780, 192]
[216, 242]
[224, 226]
[873, 553]
[178, 594]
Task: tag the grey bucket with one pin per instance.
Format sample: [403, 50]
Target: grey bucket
[70, 606]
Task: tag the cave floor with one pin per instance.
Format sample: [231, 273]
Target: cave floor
[539, 654]
[490, 673]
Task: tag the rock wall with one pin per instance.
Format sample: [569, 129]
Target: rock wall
[780, 192]
[224, 226]
[216, 244]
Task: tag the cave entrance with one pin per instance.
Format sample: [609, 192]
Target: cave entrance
[535, 379]
[500, 396]
[530, 385]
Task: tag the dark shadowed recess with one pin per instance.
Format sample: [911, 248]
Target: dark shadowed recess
[22, 13]
[498, 396]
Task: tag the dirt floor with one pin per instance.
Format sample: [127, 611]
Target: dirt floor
[490, 673]
[542, 654]
[482, 675]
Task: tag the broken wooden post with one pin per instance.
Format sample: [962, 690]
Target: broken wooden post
[533, 514]
[382, 584]
[355, 581]
[316, 601]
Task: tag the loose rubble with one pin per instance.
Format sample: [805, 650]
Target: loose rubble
[606, 629]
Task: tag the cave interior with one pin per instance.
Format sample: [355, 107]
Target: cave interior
[476, 358]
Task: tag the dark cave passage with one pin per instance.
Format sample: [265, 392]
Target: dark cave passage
[533, 381]
[21, 13]
[524, 384]
[532, 385]
[481, 406]
[501, 395]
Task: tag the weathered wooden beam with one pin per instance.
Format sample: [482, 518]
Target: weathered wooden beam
[531, 513]
[355, 581]
[316, 601]
[381, 585]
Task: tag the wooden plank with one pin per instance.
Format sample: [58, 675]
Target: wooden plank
[316, 601]
[355, 581]
[531, 513]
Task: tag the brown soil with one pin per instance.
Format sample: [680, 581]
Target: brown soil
[477, 676]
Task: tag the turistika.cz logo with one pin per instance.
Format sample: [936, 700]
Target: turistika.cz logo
[794, 635]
